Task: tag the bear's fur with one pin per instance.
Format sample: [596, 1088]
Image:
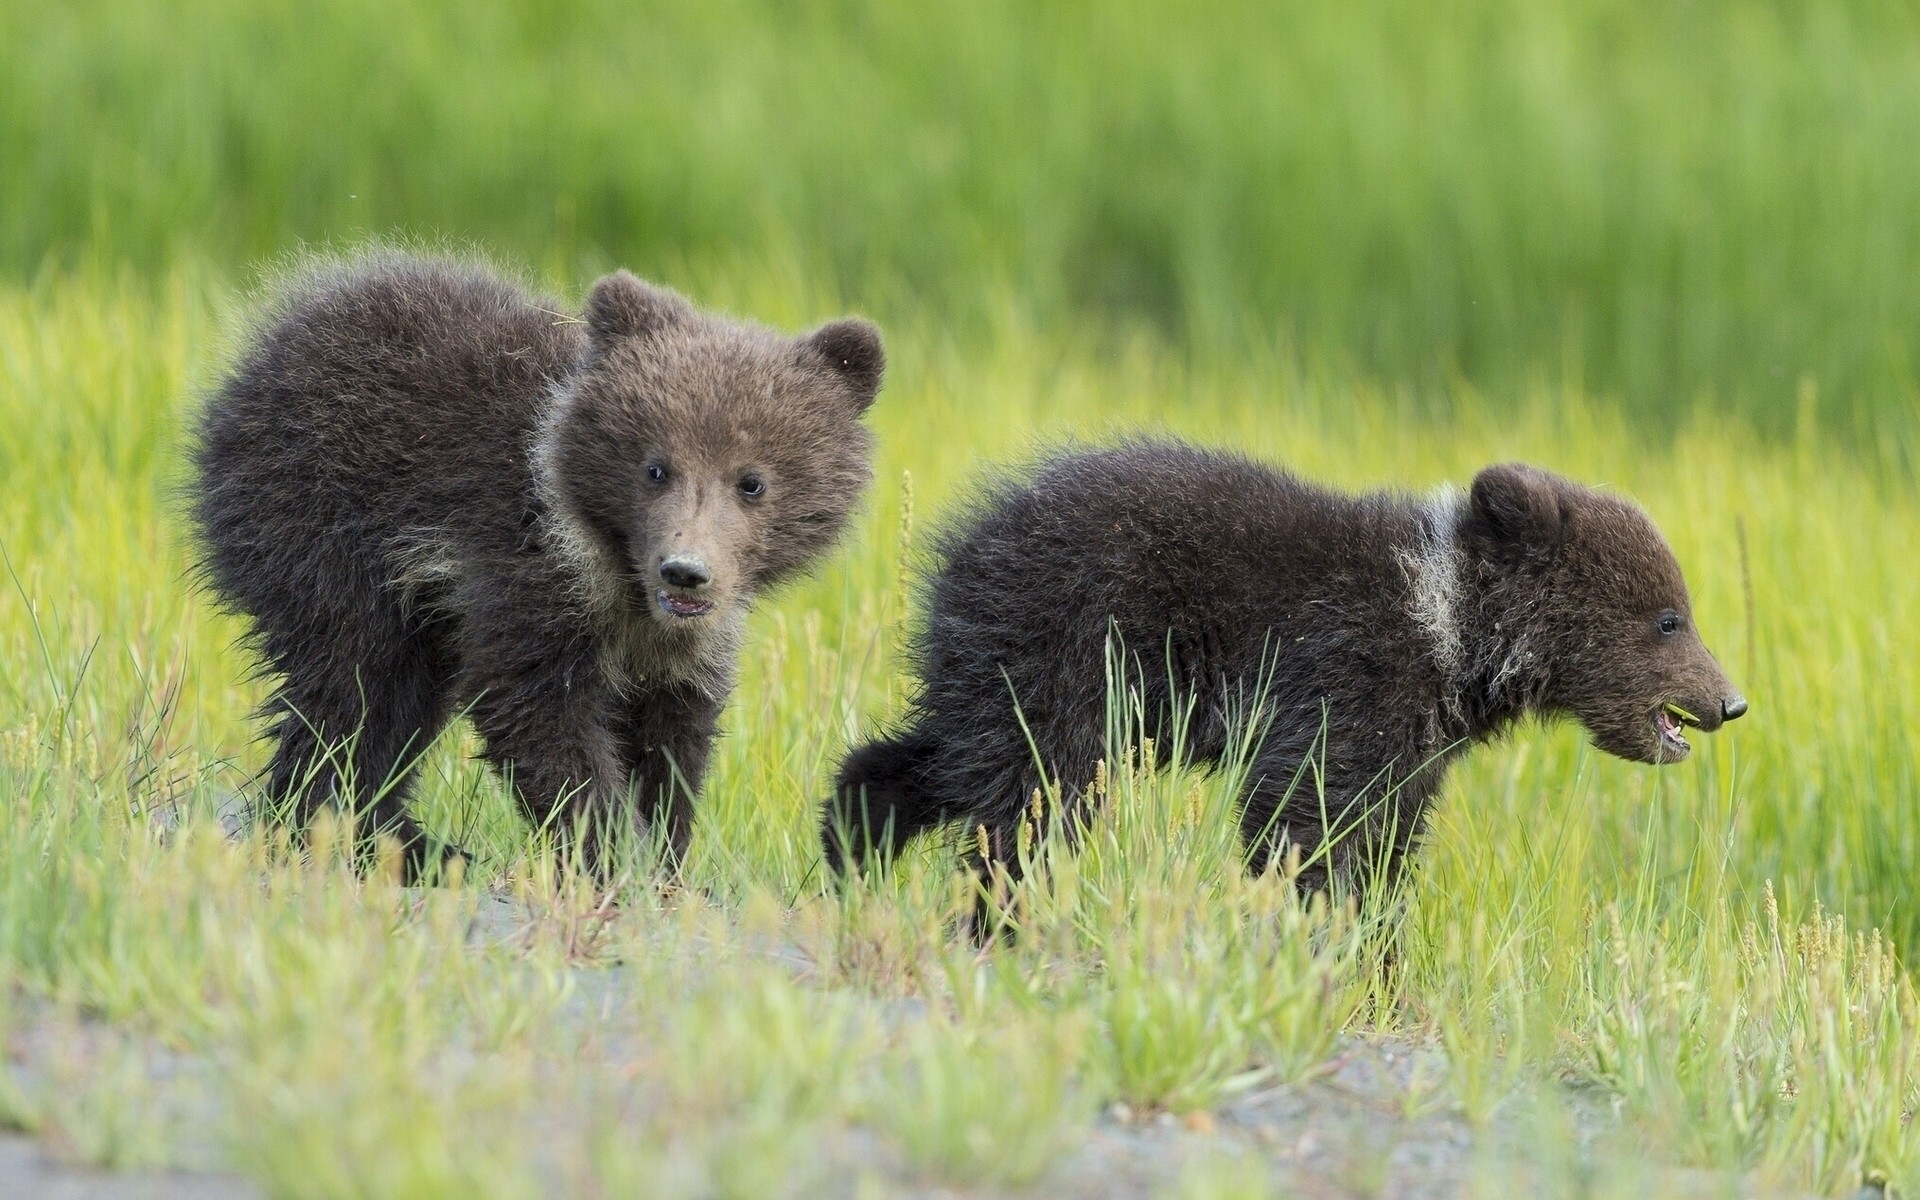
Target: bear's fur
[433, 491]
[1384, 634]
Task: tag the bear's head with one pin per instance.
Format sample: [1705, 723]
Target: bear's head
[1596, 613]
[707, 459]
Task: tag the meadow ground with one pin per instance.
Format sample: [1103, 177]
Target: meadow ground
[1604, 971]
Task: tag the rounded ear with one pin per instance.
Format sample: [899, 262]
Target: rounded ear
[624, 306]
[1518, 503]
[851, 348]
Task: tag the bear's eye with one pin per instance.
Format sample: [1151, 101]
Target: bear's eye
[752, 487]
[1668, 624]
[657, 472]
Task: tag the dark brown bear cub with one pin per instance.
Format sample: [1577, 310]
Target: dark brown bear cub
[432, 491]
[1384, 635]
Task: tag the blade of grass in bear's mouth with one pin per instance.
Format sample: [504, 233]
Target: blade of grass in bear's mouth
[1683, 714]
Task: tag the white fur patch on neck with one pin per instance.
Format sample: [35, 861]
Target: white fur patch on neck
[1432, 566]
[564, 536]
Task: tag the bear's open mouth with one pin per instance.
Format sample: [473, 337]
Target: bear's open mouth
[1669, 721]
[682, 606]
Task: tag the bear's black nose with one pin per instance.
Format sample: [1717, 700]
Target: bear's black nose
[1733, 708]
[685, 571]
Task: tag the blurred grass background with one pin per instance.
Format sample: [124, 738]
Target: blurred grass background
[1663, 203]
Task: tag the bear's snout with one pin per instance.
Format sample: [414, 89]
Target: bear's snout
[686, 571]
[688, 591]
[1733, 707]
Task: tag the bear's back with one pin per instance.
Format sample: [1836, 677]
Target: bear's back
[1174, 528]
[381, 397]
[1205, 564]
[361, 361]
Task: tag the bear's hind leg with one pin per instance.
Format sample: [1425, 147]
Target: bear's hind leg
[354, 717]
[883, 795]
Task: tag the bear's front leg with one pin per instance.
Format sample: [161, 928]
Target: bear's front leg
[1341, 827]
[666, 733]
[544, 709]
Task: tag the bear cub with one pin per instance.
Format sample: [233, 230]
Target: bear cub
[1376, 638]
[432, 491]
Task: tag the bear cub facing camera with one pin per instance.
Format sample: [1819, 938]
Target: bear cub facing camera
[1376, 637]
[431, 491]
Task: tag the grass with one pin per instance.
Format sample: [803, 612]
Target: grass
[987, 1102]
[1651, 203]
[1717, 950]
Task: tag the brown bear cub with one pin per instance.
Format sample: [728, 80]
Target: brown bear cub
[433, 491]
[1376, 638]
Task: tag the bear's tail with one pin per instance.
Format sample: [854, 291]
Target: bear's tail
[882, 796]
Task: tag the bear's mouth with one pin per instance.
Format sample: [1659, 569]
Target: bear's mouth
[1668, 722]
[682, 606]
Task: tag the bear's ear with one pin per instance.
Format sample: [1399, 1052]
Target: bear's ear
[623, 306]
[1518, 503]
[851, 348]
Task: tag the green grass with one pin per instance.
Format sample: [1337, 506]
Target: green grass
[1689, 944]
[1649, 203]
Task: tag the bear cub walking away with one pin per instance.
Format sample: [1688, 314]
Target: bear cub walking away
[1385, 635]
[432, 491]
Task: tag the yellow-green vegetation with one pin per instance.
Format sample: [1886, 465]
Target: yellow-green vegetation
[1718, 947]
